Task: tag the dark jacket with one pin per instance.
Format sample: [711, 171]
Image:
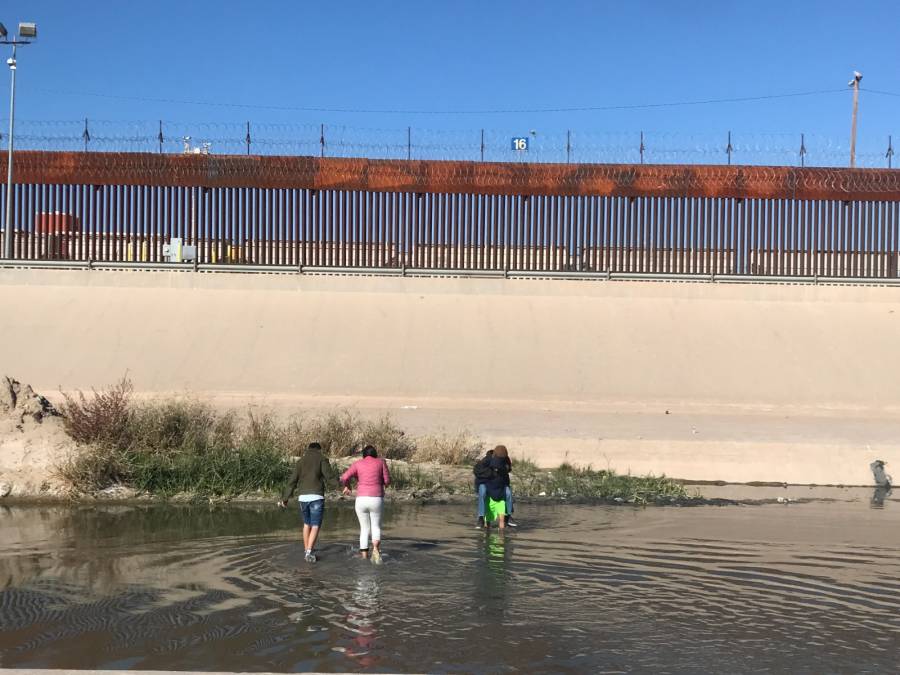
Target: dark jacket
[496, 485]
[312, 474]
[484, 471]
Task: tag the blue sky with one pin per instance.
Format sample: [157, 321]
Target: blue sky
[465, 55]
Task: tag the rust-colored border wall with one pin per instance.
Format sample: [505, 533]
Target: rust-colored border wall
[629, 180]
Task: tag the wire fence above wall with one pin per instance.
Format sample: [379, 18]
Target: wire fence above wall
[569, 146]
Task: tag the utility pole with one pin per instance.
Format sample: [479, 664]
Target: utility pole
[27, 33]
[854, 83]
[8, 241]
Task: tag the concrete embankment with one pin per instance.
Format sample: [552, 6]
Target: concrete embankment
[698, 381]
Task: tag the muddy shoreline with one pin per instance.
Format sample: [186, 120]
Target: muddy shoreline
[715, 495]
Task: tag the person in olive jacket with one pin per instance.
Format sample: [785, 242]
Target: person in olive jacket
[312, 474]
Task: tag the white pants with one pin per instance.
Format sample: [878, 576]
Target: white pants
[368, 510]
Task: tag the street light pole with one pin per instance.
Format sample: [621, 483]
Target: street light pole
[854, 83]
[26, 30]
[7, 249]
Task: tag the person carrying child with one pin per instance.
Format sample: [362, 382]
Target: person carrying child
[495, 487]
[483, 473]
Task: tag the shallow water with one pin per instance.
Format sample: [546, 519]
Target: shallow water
[805, 588]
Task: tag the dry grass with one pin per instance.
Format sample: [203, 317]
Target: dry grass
[342, 433]
[455, 449]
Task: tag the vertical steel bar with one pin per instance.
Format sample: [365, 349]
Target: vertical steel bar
[557, 232]
[371, 223]
[883, 232]
[895, 238]
[815, 230]
[613, 239]
[336, 217]
[117, 221]
[782, 242]
[543, 216]
[416, 225]
[356, 234]
[296, 227]
[304, 219]
[20, 234]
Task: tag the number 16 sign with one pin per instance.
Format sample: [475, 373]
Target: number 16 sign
[520, 143]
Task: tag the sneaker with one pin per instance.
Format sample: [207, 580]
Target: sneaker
[510, 523]
[376, 556]
[311, 557]
[480, 524]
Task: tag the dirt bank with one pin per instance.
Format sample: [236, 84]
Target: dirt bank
[33, 443]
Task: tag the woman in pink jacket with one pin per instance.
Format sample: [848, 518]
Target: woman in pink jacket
[372, 476]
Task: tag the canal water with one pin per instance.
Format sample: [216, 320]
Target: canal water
[801, 588]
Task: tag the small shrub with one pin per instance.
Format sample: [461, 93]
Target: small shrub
[103, 418]
[457, 449]
[95, 467]
[390, 440]
[294, 437]
[180, 425]
[260, 432]
[337, 431]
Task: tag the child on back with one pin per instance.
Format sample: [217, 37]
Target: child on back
[496, 487]
[483, 473]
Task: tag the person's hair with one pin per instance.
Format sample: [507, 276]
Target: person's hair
[314, 446]
[501, 452]
[370, 451]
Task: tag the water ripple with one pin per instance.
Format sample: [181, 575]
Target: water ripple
[575, 589]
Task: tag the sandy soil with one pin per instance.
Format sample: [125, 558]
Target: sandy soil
[29, 454]
[739, 444]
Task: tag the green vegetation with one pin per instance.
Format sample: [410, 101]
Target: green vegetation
[173, 446]
[570, 482]
[181, 446]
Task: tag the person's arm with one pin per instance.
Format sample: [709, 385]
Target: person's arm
[291, 485]
[385, 473]
[346, 476]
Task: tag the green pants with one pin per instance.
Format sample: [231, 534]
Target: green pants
[494, 509]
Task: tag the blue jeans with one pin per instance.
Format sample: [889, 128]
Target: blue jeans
[312, 512]
[482, 495]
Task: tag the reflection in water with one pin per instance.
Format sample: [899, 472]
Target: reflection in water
[491, 577]
[362, 621]
[807, 589]
[881, 493]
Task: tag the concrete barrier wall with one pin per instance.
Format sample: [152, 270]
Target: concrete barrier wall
[476, 344]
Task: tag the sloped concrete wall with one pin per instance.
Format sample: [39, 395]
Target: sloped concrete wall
[516, 345]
